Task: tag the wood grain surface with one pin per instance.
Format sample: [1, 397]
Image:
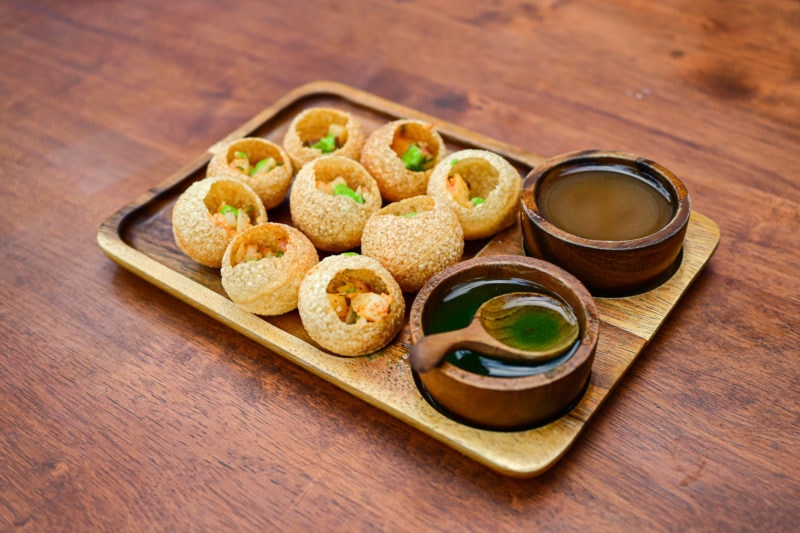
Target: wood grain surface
[124, 409]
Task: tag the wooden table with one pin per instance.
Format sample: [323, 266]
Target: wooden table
[123, 408]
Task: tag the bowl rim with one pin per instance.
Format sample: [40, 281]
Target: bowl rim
[679, 197]
[587, 313]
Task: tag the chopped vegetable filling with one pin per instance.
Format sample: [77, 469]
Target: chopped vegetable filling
[338, 187]
[477, 200]
[257, 251]
[355, 302]
[326, 145]
[241, 163]
[416, 158]
[459, 190]
[263, 166]
[232, 219]
[331, 142]
[343, 190]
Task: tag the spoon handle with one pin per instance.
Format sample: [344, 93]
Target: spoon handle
[428, 352]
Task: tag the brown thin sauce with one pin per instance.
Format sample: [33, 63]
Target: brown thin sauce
[604, 202]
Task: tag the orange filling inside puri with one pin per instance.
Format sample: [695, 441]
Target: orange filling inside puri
[261, 246]
[229, 208]
[470, 181]
[355, 301]
[415, 146]
[249, 165]
[254, 251]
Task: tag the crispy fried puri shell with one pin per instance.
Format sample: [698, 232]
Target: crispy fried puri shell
[334, 223]
[313, 123]
[490, 177]
[268, 286]
[324, 325]
[193, 228]
[272, 186]
[395, 181]
[413, 248]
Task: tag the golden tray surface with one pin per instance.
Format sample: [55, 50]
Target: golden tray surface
[139, 238]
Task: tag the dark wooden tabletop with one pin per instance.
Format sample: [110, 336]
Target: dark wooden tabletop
[123, 408]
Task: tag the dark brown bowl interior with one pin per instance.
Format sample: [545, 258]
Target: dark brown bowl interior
[509, 402]
[607, 268]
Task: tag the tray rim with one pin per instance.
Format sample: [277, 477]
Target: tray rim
[479, 446]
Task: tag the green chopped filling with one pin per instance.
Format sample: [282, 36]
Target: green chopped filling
[261, 164]
[453, 162]
[226, 208]
[350, 253]
[240, 155]
[477, 200]
[415, 159]
[326, 145]
[340, 189]
[409, 214]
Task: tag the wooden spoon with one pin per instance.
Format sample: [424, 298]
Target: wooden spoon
[517, 326]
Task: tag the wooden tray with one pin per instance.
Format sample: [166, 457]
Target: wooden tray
[139, 238]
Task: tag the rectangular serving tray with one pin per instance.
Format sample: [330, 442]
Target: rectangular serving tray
[139, 238]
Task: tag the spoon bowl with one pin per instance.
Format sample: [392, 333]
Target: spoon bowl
[516, 326]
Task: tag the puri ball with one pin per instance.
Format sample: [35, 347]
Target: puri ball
[481, 188]
[209, 214]
[261, 164]
[331, 200]
[318, 131]
[351, 305]
[413, 239]
[263, 266]
[400, 156]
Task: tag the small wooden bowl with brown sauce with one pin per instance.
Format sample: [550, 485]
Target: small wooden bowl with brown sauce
[615, 220]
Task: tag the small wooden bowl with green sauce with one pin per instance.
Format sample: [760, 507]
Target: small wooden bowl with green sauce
[490, 392]
[615, 220]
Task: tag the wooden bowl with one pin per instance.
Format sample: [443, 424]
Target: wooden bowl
[607, 267]
[546, 391]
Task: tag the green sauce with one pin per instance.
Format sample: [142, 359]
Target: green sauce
[456, 309]
[534, 322]
[535, 329]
